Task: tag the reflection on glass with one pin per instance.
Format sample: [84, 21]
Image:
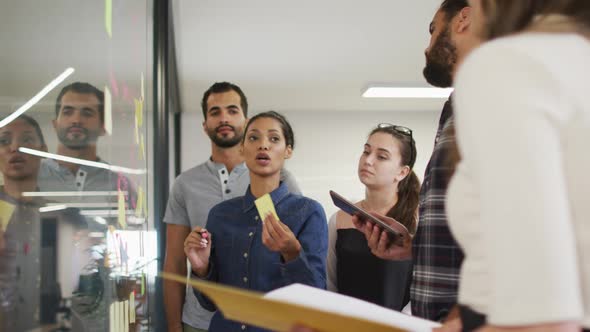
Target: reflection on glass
[77, 249]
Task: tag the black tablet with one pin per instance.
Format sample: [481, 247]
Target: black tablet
[353, 210]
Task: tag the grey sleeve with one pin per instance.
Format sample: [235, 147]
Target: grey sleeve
[290, 181]
[176, 212]
[332, 261]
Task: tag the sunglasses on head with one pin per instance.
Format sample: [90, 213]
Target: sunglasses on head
[404, 131]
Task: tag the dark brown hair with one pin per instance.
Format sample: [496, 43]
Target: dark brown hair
[406, 207]
[504, 17]
[223, 87]
[285, 126]
[82, 88]
[452, 7]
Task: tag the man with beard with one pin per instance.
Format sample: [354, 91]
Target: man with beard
[78, 123]
[437, 257]
[196, 191]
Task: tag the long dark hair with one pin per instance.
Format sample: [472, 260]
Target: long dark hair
[503, 17]
[406, 207]
[33, 123]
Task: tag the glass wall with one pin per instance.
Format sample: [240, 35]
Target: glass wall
[77, 244]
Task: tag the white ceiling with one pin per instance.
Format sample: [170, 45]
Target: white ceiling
[306, 55]
[287, 55]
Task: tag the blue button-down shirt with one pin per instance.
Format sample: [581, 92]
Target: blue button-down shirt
[240, 259]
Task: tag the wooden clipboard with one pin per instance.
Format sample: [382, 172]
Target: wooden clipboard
[253, 309]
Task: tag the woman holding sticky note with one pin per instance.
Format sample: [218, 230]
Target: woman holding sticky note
[266, 239]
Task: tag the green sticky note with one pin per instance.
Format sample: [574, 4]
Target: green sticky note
[108, 17]
[143, 284]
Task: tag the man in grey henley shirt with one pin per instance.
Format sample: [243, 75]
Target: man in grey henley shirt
[197, 190]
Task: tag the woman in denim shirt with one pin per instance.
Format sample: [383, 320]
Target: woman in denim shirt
[239, 250]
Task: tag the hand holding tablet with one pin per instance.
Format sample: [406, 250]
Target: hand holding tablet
[397, 231]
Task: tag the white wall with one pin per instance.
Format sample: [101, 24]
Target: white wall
[327, 147]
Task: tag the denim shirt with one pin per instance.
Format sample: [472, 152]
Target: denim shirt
[240, 259]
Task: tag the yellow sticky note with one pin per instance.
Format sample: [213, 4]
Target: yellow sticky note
[136, 133]
[108, 111]
[112, 312]
[121, 318]
[264, 205]
[126, 315]
[142, 88]
[6, 210]
[142, 148]
[132, 307]
[138, 111]
[108, 17]
[121, 208]
[140, 202]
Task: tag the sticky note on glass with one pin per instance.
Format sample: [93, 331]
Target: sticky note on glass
[142, 285]
[6, 210]
[121, 210]
[138, 111]
[112, 313]
[108, 17]
[140, 202]
[132, 307]
[142, 148]
[136, 133]
[265, 206]
[108, 111]
[126, 316]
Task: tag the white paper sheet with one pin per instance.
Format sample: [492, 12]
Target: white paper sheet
[349, 306]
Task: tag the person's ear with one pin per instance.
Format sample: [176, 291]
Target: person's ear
[405, 171]
[463, 20]
[54, 123]
[288, 152]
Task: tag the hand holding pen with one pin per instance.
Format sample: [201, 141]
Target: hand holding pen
[197, 248]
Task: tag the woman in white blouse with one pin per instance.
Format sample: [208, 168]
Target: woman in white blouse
[518, 203]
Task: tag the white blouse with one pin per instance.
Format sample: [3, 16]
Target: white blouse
[519, 202]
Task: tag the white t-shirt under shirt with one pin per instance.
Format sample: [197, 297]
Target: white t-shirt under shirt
[518, 203]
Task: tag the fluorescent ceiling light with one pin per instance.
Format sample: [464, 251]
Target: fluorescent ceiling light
[406, 92]
[52, 208]
[87, 205]
[70, 193]
[82, 161]
[104, 213]
[100, 220]
[37, 97]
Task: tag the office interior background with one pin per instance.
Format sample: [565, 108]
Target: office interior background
[310, 60]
